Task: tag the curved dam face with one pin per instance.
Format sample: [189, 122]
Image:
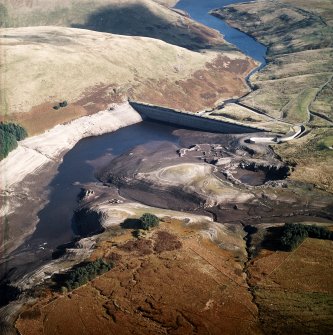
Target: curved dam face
[192, 121]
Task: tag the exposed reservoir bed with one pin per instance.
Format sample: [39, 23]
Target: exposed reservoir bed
[78, 167]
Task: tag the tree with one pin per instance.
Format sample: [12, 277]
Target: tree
[148, 221]
[294, 234]
[83, 273]
[18, 131]
[7, 143]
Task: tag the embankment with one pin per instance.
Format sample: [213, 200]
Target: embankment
[189, 120]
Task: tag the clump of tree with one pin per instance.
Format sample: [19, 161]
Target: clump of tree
[83, 273]
[7, 143]
[148, 220]
[294, 234]
[13, 128]
[10, 133]
[60, 105]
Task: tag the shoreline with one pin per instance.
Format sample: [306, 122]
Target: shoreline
[36, 151]
[40, 156]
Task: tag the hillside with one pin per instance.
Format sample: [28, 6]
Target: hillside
[139, 295]
[90, 70]
[125, 17]
[296, 85]
[300, 50]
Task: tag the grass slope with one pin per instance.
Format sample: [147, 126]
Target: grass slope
[296, 85]
[299, 41]
[125, 17]
[293, 290]
[44, 65]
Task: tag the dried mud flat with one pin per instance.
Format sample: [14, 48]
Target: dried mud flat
[173, 281]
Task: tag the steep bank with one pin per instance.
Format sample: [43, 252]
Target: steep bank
[41, 155]
[114, 69]
[146, 18]
[189, 65]
[36, 151]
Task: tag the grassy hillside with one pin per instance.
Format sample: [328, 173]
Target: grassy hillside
[300, 50]
[293, 290]
[45, 65]
[296, 85]
[91, 68]
[125, 17]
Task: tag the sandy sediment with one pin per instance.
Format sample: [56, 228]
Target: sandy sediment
[34, 152]
[197, 178]
[116, 214]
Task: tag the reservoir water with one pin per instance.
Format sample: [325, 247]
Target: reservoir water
[78, 167]
[54, 226]
[199, 11]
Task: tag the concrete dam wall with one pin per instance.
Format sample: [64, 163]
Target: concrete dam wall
[190, 120]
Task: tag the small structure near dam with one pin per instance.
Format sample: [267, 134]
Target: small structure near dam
[190, 120]
[295, 132]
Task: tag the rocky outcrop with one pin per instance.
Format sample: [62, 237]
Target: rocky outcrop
[85, 194]
[272, 172]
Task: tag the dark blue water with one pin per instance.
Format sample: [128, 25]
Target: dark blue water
[55, 218]
[78, 166]
[199, 11]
